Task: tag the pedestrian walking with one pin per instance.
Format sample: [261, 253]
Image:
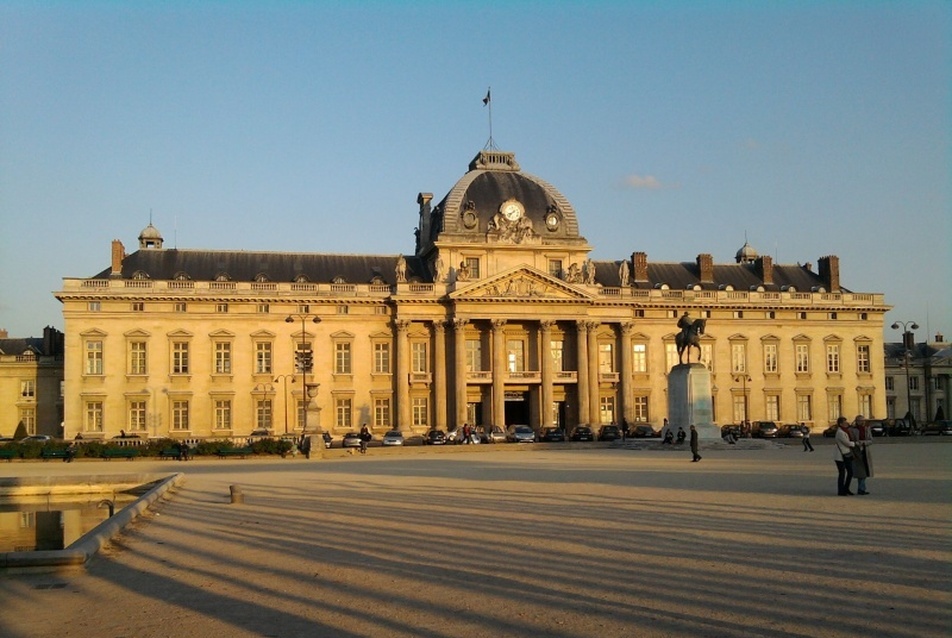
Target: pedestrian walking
[694, 445]
[807, 446]
[365, 438]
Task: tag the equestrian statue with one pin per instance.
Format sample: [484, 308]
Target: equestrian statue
[690, 335]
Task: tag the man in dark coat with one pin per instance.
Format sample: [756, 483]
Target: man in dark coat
[694, 445]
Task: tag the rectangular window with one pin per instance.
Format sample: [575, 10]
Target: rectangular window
[739, 357]
[342, 357]
[343, 310]
[804, 407]
[343, 411]
[640, 411]
[94, 417]
[28, 419]
[301, 414]
[556, 347]
[835, 407]
[137, 416]
[138, 306]
[222, 414]
[770, 359]
[180, 415]
[382, 358]
[263, 308]
[28, 389]
[421, 412]
[419, 359]
[180, 357]
[474, 355]
[221, 308]
[263, 414]
[803, 358]
[94, 360]
[862, 360]
[263, 357]
[515, 355]
[180, 306]
[555, 268]
[833, 358]
[740, 408]
[639, 358]
[137, 357]
[472, 267]
[890, 407]
[222, 357]
[382, 413]
[913, 383]
[606, 410]
[94, 306]
[670, 355]
[707, 355]
[606, 358]
[303, 357]
[772, 407]
[865, 404]
[890, 384]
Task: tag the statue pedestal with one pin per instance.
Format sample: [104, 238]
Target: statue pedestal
[689, 401]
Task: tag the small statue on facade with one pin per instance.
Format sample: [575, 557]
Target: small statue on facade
[624, 274]
[439, 270]
[588, 271]
[401, 270]
[462, 273]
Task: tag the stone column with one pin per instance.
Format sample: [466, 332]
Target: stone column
[545, 352]
[403, 374]
[581, 346]
[459, 367]
[593, 373]
[625, 380]
[439, 373]
[500, 373]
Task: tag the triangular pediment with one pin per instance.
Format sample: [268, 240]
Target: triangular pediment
[521, 282]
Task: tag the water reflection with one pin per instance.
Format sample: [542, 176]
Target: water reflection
[45, 523]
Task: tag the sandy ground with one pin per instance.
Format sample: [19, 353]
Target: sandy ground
[548, 541]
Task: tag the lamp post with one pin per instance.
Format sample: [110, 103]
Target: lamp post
[744, 380]
[304, 358]
[908, 342]
[284, 378]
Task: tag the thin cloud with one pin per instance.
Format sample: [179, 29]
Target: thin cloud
[646, 182]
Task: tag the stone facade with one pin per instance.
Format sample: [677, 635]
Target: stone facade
[31, 381]
[498, 317]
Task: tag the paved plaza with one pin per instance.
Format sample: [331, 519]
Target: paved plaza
[542, 540]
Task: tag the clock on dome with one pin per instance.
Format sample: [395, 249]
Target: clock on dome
[512, 210]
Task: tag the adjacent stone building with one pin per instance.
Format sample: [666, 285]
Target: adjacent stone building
[918, 378]
[31, 383]
[499, 316]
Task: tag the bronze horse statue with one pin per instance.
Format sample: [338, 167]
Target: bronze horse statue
[690, 335]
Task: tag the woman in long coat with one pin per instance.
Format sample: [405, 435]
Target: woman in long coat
[843, 448]
[862, 455]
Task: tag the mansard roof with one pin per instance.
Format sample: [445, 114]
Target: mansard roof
[686, 274]
[19, 346]
[211, 265]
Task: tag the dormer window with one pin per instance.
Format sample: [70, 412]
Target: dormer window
[261, 278]
[181, 276]
[140, 274]
[301, 279]
[338, 280]
[222, 276]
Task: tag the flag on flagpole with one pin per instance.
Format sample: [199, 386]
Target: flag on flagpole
[488, 98]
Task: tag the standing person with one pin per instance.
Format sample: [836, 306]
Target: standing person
[365, 437]
[843, 457]
[862, 459]
[306, 445]
[807, 446]
[681, 435]
[694, 445]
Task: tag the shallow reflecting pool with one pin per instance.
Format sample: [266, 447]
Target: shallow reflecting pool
[53, 522]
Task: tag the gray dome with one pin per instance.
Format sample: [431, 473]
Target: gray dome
[746, 254]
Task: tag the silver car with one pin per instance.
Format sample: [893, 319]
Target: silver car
[393, 437]
[521, 434]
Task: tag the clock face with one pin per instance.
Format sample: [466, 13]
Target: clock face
[511, 210]
[552, 221]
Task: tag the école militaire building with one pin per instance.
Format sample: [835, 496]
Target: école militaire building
[498, 316]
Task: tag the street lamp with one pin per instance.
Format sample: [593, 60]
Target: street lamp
[284, 378]
[304, 358]
[908, 342]
[744, 379]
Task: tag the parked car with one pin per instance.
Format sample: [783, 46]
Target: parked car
[351, 439]
[435, 437]
[790, 431]
[644, 431]
[830, 432]
[609, 433]
[495, 435]
[521, 434]
[764, 430]
[937, 427]
[553, 435]
[393, 437]
[37, 438]
[898, 427]
[877, 427]
[582, 433]
[736, 430]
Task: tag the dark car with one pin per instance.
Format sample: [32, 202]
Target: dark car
[435, 437]
[609, 433]
[764, 430]
[830, 432]
[898, 427]
[643, 431]
[877, 427]
[552, 435]
[937, 427]
[582, 433]
[791, 431]
[736, 430]
[351, 439]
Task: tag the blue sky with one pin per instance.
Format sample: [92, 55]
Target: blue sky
[811, 128]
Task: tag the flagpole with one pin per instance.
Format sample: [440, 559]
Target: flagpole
[488, 101]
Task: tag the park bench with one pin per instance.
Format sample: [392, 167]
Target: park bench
[120, 453]
[171, 453]
[240, 452]
[47, 454]
[8, 453]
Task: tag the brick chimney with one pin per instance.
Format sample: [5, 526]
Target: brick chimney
[705, 267]
[4, 334]
[118, 254]
[829, 268]
[640, 262]
[765, 269]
